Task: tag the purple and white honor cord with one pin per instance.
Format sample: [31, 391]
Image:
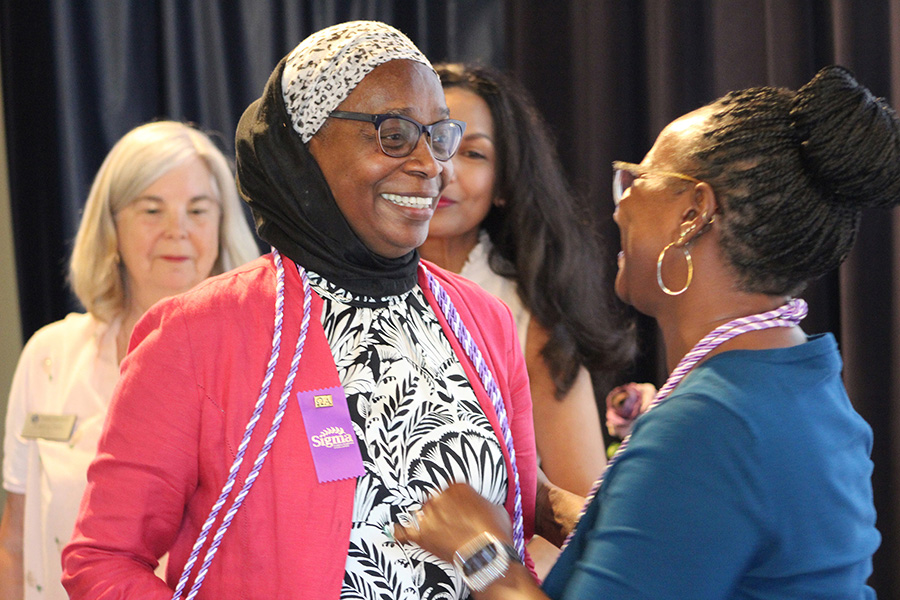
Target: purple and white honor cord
[248, 432]
[787, 315]
[490, 386]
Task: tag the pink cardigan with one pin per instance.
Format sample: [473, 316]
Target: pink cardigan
[187, 390]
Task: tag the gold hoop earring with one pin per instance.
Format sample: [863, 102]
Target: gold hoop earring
[690, 265]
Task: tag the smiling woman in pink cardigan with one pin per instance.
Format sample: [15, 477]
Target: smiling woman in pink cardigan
[213, 450]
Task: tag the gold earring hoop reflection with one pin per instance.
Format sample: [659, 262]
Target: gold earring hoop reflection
[690, 274]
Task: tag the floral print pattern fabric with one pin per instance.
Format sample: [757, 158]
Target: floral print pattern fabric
[420, 427]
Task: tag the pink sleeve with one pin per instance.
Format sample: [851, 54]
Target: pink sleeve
[145, 469]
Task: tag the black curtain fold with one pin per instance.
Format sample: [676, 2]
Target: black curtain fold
[634, 66]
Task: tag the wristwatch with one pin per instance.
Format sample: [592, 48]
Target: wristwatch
[483, 560]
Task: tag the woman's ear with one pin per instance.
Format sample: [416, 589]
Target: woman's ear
[697, 217]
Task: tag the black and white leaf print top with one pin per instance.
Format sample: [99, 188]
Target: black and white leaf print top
[420, 428]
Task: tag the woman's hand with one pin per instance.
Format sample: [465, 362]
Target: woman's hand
[452, 518]
[556, 511]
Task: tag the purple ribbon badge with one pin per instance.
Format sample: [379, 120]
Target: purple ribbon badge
[329, 430]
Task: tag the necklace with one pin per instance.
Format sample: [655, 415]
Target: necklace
[787, 315]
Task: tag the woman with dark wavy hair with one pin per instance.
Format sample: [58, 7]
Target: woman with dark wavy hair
[750, 474]
[509, 222]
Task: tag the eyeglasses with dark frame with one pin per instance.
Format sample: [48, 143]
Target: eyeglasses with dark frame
[626, 173]
[398, 135]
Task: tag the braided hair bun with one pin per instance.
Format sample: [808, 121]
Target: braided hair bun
[792, 172]
[851, 140]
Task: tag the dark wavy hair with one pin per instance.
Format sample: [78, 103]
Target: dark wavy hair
[792, 172]
[543, 236]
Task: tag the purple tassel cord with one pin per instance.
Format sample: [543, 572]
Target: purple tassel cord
[248, 432]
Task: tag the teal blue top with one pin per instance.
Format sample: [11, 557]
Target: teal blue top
[753, 480]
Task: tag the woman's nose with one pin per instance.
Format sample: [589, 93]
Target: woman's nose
[177, 224]
[423, 160]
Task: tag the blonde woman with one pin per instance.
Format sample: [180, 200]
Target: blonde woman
[162, 215]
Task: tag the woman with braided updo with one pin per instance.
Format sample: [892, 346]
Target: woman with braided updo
[749, 475]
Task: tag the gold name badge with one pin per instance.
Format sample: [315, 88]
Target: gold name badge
[323, 401]
[49, 427]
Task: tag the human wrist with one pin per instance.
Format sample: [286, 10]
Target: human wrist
[518, 583]
[484, 559]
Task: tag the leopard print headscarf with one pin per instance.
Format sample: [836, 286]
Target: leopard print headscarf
[322, 71]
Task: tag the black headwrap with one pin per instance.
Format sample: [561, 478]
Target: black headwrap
[295, 210]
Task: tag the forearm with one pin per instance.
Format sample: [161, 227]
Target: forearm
[12, 583]
[568, 431]
[517, 584]
[12, 569]
[454, 524]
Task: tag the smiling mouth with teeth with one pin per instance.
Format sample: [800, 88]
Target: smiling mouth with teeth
[409, 201]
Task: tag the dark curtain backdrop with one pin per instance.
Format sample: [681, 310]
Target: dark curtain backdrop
[609, 74]
[78, 74]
